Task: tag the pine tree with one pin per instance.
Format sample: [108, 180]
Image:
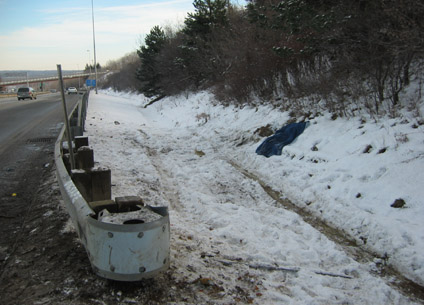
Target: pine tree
[200, 26]
[148, 73]
[208, 14]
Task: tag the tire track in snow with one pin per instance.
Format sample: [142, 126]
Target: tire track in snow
[190, 250]
[390, 275]
[238, 263]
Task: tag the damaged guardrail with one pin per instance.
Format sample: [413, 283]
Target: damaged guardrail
[124, 239]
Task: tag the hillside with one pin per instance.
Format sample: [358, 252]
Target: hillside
[232, 236]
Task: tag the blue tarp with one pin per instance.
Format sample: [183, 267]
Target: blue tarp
[274, 144]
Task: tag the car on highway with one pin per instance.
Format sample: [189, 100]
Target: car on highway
[72, 90]
[26, 92]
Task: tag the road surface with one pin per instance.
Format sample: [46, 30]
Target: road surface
[28, 131]
[20, 120]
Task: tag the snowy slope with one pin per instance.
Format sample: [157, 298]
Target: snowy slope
[186, 153]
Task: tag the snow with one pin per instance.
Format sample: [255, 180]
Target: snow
[142, 215]
[198, 158]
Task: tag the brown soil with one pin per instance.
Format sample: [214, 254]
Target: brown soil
[42, 260]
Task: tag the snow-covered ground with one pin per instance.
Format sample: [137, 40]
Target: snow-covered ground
[234, 240]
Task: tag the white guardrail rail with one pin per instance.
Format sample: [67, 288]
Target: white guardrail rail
[124, 240]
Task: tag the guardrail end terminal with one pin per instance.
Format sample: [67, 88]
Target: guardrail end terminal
[124, 221]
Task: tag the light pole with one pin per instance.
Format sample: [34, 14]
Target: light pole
[89, 64]
[79, 78]
[94, 44]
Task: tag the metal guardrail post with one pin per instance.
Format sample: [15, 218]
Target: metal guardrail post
[68, 129]
[84, 109]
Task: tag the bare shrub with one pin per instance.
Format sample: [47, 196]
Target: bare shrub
[203, 118]
[123, 73]
[401, 138]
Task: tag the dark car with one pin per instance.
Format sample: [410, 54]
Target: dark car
[26, 92]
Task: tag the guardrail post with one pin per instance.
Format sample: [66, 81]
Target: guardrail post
[80, 141]
[80, 118]
[84, 109]
[82, 181]
[101, 184]
[84, 158]
[93, 184]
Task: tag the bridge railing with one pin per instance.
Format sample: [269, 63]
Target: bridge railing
[48, 79]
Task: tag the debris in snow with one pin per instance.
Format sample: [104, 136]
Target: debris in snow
[282, 137]
[399, 203]
[199, 153]
[367, 149]
[203, 118]
[382, 150]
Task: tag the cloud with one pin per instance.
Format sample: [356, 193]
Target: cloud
[66, 34]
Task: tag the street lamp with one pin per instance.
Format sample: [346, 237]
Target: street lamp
[89, 64]
[94, 44]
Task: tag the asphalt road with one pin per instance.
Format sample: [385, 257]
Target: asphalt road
[21, 120]
[28, 131]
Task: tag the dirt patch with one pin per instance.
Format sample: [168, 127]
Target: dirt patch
[43, 262]
[264, 131]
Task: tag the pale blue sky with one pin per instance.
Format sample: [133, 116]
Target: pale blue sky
[38, 34]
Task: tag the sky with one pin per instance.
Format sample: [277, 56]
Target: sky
[38, 35]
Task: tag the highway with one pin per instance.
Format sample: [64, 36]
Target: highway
[28, 131]
[20, 121]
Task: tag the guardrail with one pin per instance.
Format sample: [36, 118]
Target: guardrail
[124, 240]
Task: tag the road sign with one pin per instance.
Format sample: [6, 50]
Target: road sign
[90, 82]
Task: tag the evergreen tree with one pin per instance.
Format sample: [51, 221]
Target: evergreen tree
[208, 14]
[209, 17]
[91, 67]
[148, 73]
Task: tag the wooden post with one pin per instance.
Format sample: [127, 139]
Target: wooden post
[80, 141]
[101, 184]
[84, 158]
[128, 203]
[93, 184]
[82, 181]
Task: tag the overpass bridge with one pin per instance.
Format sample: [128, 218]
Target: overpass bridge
[46, 79]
